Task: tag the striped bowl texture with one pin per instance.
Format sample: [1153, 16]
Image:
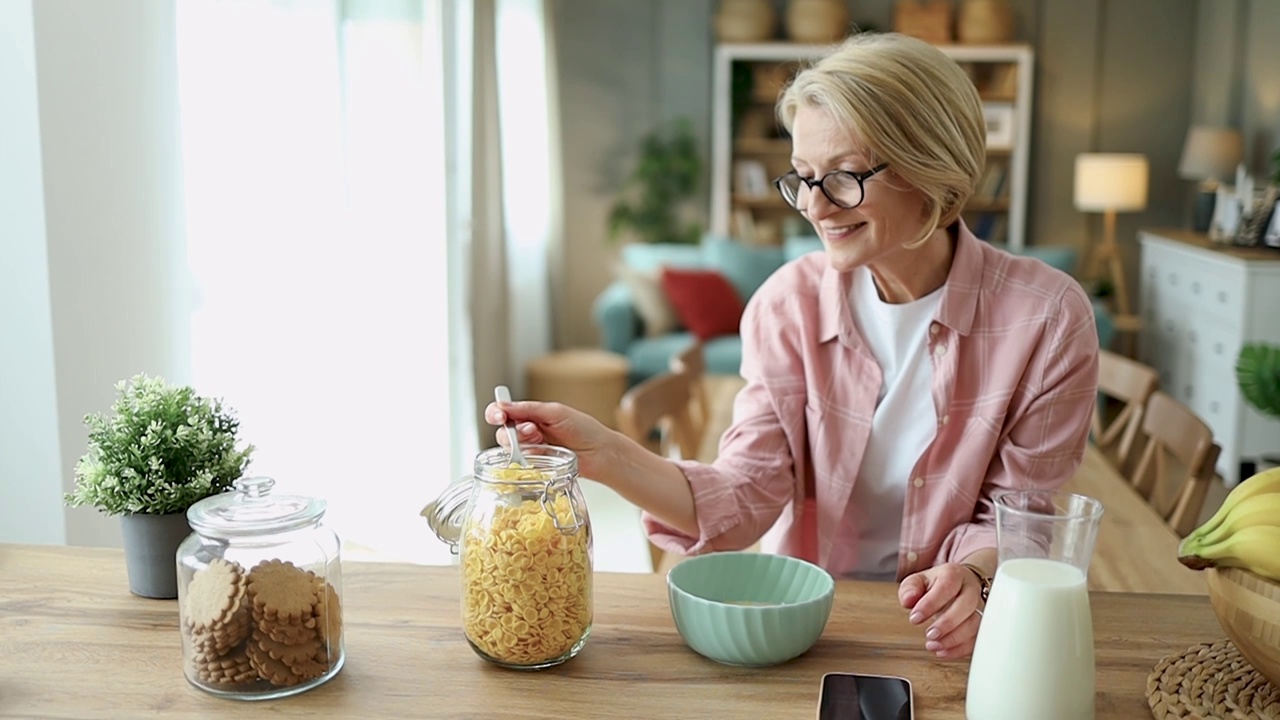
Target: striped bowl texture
[748, 608]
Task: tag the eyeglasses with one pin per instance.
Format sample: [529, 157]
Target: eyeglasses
[843, 188]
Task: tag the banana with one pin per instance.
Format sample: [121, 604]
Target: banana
[1264, 483]
[1258, 510]
[1255, 548]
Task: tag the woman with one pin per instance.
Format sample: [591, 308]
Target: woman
[893, 382]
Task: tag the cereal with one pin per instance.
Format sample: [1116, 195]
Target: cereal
[526, 585]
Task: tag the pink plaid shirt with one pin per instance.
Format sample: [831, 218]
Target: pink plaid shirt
[1015, 363]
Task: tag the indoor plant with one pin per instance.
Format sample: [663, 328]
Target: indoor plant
[1258, 374]
[161, 450]
[664, 179]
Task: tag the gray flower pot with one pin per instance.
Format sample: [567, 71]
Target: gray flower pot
[151, 552]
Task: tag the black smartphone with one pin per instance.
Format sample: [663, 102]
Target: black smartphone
[849, 696]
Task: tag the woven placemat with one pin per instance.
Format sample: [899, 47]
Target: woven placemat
[1211, 681]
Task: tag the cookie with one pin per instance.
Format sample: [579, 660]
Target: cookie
[281, 591]
[213, 596]
[285, 632]
[272, 670]
[233, 669]
[219, 640]
[291, 655]
[329, 615]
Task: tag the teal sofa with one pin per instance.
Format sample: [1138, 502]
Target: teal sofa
[746, 267]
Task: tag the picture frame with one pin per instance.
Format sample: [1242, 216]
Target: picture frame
[1253, 228]
[1271, 238]
[751, 178]
[1000, 125]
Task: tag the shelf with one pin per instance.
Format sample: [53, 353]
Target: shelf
[762, 146]
[772, 200]
[981, 205]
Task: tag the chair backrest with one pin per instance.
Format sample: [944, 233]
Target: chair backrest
[1132, 383]
[1177, 465]
[660, 404]
[692, 363]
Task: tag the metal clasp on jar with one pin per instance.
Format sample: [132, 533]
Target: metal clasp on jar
[562, 486]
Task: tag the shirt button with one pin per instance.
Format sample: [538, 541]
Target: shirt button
[940, 350]
[912, 557]
[933, 328]
[918, 482]
[943, 421]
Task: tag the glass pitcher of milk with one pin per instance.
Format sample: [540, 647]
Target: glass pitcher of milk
[1034, 653]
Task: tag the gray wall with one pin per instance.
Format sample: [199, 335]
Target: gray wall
[1114, 76]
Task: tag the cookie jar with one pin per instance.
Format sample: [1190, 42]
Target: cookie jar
[259, 594]
[524, 543]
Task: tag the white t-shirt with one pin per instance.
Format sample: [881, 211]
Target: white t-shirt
[904, 423]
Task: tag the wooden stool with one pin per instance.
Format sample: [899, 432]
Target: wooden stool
[592, 381]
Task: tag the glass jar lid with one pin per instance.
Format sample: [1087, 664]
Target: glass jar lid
[251, 510]
[446, 513]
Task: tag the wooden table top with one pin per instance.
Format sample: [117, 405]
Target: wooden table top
[75, 644]
[1136, 551]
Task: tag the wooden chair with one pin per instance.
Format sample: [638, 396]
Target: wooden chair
[1177, 465]
[660, 403]
[1132, 383]
[692, 363]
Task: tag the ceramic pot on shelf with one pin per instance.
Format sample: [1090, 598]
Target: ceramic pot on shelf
[817, 21]
[745, 21]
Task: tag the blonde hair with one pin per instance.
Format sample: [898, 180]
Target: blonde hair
[913, 107]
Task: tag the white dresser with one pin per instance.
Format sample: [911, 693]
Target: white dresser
[1200, 302]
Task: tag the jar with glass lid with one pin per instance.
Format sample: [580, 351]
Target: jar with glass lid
[523, 539]
[259, 594]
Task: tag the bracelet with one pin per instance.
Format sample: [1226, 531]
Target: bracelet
[983, 581]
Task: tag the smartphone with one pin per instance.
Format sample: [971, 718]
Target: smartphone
[849, 696]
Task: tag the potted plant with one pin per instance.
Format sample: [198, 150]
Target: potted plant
[664, 179]
[161, 450]
[1258, 374]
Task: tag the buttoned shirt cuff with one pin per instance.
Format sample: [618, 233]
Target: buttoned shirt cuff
[715, 504]
[965, 541]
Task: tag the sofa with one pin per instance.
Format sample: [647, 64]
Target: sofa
[618, 316]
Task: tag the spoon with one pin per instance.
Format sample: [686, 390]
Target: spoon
[503, 396]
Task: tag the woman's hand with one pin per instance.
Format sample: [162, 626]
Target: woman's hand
[947, 597]
[544, 423]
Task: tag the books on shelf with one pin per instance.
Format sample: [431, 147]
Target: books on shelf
[992, 184]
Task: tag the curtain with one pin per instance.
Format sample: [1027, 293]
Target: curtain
[373, 212]
[517, 207]
[328, 248]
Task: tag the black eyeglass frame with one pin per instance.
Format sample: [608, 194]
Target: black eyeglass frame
[860, 177]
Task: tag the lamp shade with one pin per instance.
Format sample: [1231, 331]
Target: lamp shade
[1111, 181]
[1210, 153]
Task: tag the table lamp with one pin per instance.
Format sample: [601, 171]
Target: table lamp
[1209, 155]
[1110, 183]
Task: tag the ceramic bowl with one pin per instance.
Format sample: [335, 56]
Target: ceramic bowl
[1248, 606]
[749, 609]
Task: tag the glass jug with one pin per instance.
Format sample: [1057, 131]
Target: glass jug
[1034, 653]
[524, 544]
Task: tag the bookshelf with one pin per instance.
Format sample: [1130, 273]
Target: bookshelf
[749, 149]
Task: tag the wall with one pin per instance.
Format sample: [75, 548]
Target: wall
[1110, 76]
[106, 157]
[30, 491]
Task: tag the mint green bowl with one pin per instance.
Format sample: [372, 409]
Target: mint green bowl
[749, 609]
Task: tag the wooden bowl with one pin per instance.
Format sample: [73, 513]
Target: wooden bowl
[1248, 606]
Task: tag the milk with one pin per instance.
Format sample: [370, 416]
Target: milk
[1034, 652]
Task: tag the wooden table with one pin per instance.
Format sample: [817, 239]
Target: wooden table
[1136, 551]
[75, 644]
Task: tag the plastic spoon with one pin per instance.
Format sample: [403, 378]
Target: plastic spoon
[503, 396]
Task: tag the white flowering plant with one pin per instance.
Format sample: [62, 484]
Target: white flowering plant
[163, 449]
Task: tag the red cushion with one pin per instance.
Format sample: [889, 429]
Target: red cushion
[704, 300]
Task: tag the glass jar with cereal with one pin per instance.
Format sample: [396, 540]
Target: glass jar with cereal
[259, 594]
[524, 544]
